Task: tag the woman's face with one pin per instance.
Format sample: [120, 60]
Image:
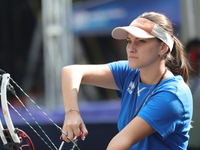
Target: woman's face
[143, 53]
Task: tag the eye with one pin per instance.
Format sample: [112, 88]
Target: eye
[140, 41]
[128, 41]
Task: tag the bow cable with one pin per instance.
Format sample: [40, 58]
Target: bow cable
[11, 89]
[58, 127]
[31, 126]
[12, 131]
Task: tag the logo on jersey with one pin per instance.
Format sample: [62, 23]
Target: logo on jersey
[131, 87]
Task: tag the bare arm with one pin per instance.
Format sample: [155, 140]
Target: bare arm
[134, 132]
[72, 77]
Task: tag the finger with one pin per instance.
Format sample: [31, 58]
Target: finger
[77, 132]
[85, 132]
[70, 135]
[64, 137]
[80, 135]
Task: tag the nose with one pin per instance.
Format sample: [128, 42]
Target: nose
[130, 48]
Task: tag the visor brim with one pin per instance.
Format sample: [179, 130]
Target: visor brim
[122, 32]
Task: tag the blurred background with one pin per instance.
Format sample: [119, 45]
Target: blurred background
[39, 37]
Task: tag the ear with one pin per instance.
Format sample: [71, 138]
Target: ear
[163, 48]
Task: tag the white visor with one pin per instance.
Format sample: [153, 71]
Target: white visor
[144, 28]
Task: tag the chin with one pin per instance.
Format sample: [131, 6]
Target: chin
[133, 66]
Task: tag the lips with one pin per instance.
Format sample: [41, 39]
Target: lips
[132, 57]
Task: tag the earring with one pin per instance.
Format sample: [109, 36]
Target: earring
[163, 55]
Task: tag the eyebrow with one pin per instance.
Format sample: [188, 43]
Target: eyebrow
[135, 38]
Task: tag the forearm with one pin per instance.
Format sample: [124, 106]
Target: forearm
[71, 80]
[134, 132]
[72, 77]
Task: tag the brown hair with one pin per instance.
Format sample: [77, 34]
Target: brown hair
[176, 60]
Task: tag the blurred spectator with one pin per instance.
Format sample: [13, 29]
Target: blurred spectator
[193, 49]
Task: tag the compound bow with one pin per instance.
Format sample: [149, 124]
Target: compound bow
[13, 138]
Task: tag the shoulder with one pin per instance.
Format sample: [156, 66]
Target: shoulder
[172, 95]
[175, 94]
[122, 66]
[176, 86]
[122, 73]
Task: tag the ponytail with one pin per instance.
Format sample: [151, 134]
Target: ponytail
[177, 61]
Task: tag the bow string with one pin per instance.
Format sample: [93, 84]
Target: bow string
[13, 138]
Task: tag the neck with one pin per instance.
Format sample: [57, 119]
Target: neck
[152, 76]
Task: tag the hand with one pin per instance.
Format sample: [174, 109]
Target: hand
[73, 126]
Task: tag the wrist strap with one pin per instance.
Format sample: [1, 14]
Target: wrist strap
[72, 109]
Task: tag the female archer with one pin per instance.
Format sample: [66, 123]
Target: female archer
[156, 102]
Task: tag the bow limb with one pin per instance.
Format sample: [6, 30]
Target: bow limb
[11, 137]
[6, 113]
[2, 134]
